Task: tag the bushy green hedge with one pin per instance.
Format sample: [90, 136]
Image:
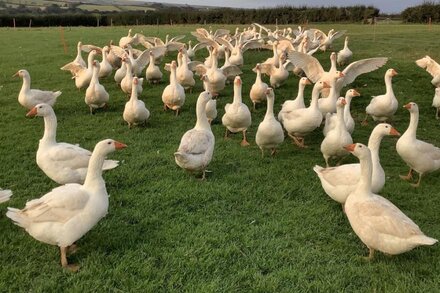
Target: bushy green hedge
[188, 15]
[422, 13]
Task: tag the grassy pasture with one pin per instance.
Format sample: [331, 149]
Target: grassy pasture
[255, 224]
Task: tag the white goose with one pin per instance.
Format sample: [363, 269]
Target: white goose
[105, 68]
[436, 102]
[301, 122]
[127, 81]
[185, 77]
[338, 182]
[197, 145]
[5, 195]
[66, 213]
[269, 133]
[62, 162]
[96, 95]
[135, 112]
[328, 104]
[28, 97]
[120, 73]
[83, 75]
[278, 74]
[79, 61]
[344, 55]
[383, 107]
[173, 96]
[338, 137]
[432, 67]
[420, 156]
[153, 73]
[298, 103]
[237, 116]
[259, 88]
[376, 221]
[330, 119]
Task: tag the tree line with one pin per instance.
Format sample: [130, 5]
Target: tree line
[190, 15]
[422, 13]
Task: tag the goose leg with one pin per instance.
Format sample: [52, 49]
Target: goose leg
[299, 141]
[274, 150]
[436, 113]
[91, 110]
[370, 255]
[165, 107]
[72, 249]
[255, 106]
[227, 133]
[244, 142]
[177, 112]
[326, 161]
[64, 264]
[418, 182]
[262, 152]
[365, 121]
[407, 177]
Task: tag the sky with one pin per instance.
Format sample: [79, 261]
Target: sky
[385, 6]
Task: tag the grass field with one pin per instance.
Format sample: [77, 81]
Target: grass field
[255, 224]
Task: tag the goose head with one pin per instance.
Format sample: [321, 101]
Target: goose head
[391, 72]
[108, 146]
[257, 67]
[40, 110]
[23, 73]
[304, 81]
[412, 107]
[135, 81]
[341, 102]
[352, 93]
[237, 81]
[96, 65]
[270, 94]
[385, 129]
[358, 150]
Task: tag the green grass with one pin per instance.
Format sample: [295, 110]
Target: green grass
[255, 224]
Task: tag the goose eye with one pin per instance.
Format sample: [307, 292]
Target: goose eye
[386, 126]
[360, 146]
[40, 107]
[109, 142]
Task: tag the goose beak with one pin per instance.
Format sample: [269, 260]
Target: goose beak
[308, 81]
[268, 91]
[16, 74]
[343, 102]
[350, 147]
[407, 106]
[393, 72]
[341, 74]
[120, 145]
[32, 112]
[394, 132]
[356, 93]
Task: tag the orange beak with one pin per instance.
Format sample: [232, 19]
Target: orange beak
[308, 81]
[135, 81]
[356, 93]
[407, 106]
[268, 90]
[119, 145]
[394, 132]
[393, 72]
[343, 102]
[238, 81]
[350, 147]
[16, 74]
[32, 112]
[341, 74]
[325, 85]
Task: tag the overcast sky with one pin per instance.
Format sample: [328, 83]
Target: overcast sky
[385, 6]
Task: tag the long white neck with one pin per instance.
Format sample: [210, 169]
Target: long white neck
[333, 67]
[258, 79]
[300, 95]
[364, 185]
[214, 63]
[173, 78]
[269, 110]
[152, 61]
[332, 93]
[346, 44]
[104, 55]
[374, 145]
[95, 75]
[237, 94]
[134, 94]
[129, 70]
[26, 83]
[315, 96]
[94, 171]
[202, 119]
[413, 123]
[50, 128]
[389, 84]
[340, 123]
[347, 112]
[90, 60]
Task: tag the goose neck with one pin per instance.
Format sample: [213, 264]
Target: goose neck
[315, 96]
[374, 144]
[26, 83]
[364, 185]
[173, 78]
[347, 112]
[300, 92]
[94, 171]
[237, 93]
[389, 85]
[269, 110]
[50, 128]
[202, 119]
[413, 123]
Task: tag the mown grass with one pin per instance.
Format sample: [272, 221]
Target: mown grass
[255, 224]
